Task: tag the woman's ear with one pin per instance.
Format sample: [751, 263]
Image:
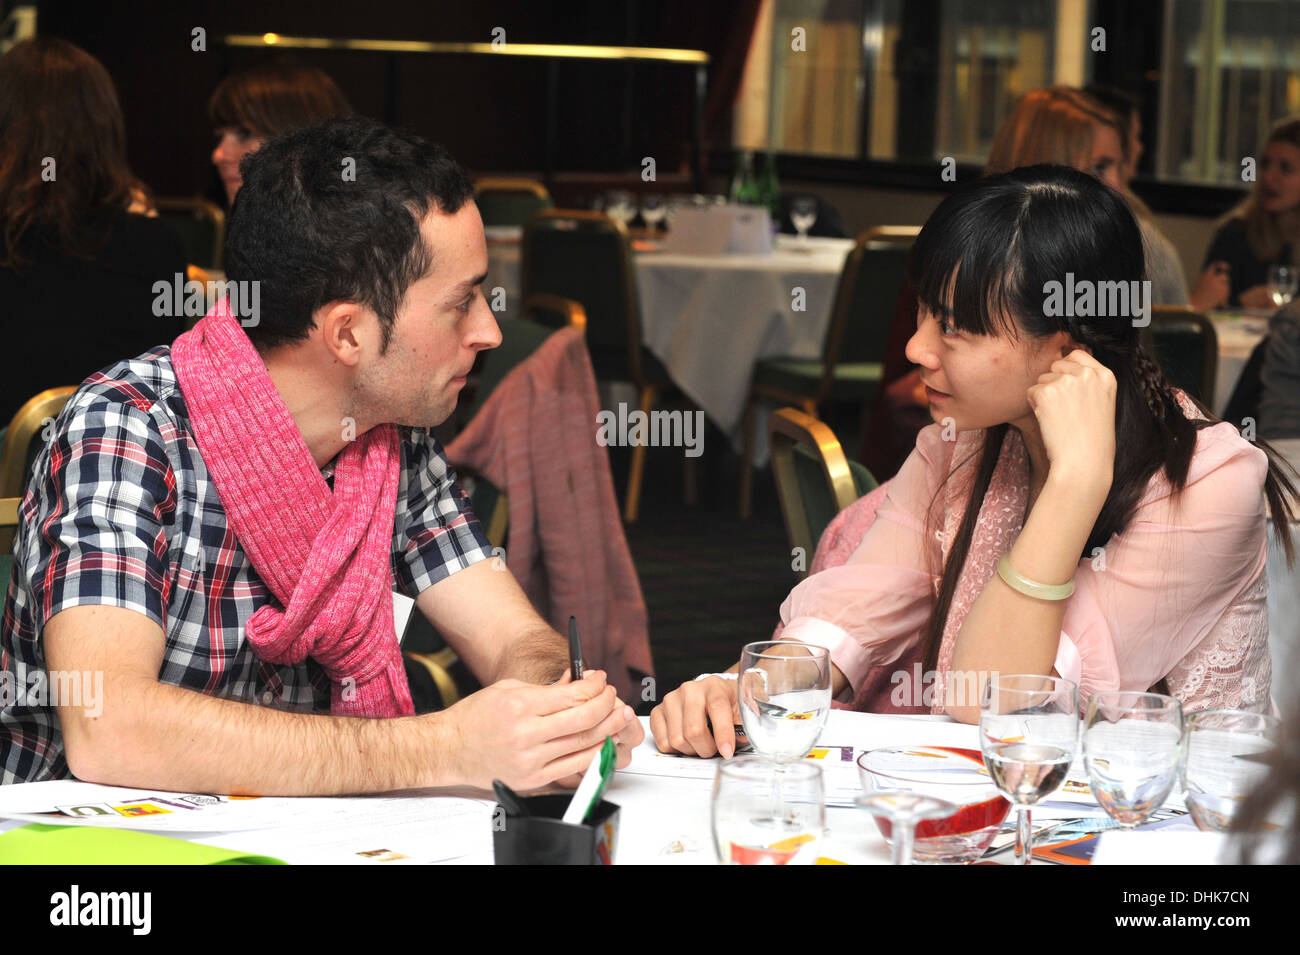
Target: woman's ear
[1068, 345]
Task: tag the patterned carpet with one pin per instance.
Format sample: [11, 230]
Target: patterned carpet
[712, 582]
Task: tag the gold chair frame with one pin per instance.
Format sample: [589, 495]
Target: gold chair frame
[786, 428]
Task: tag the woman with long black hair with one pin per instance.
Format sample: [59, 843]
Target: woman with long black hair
[1069, 511]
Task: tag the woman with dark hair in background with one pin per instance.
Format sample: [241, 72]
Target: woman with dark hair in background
[1065, 485]
[249, 107]
[1264, 229]
[77, 263]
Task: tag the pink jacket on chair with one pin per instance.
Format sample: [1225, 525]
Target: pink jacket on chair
[535, 439]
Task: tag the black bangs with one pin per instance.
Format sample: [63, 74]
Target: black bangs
[963, 262]
[986, 256]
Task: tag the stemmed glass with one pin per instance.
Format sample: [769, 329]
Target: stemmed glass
[1282, 283]
[1029, 731]
[785, 696]
[653, 211]
[765, 813]
[1227, 757]
[1133, 749]
[619, 206]
[904, 810]
[803, 214]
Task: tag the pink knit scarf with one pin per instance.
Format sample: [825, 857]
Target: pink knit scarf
[323, 554]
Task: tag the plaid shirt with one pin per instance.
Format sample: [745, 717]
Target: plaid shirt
[122, 512]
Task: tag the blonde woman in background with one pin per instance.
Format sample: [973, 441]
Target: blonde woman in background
[1262, 231]
[1068, 127]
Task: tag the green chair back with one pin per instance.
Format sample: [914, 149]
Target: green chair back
[814, 481]
[1183, 342]
[586, 256]
[819, 503]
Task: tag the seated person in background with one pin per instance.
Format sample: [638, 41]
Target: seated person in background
[1263, 230]
[220, 523]
[1059, 444]
[1279, 377]
[249, 107]
[1067, 126]
[77, 264]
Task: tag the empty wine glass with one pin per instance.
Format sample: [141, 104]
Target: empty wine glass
[619, 206]
[653, 211]
[1029, 732]
[1133, 749]
[785, 695]
[803, 214]
[904, 810]
[1282, 283]
[766, 814]
[1227, 757]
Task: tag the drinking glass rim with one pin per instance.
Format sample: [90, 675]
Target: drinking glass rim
[986, 781]
[1134, 695]
[747, 767]
[816, 652]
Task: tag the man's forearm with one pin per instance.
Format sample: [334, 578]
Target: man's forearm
[159, 736]
[537, 655]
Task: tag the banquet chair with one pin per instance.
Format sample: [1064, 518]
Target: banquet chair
[587, 257]
[8, 526]
[1185, 346]
[853, 350]
[814, 480]
[554, 311]
[506, 202]
[201, 225]
[21, 446]
[424, 647]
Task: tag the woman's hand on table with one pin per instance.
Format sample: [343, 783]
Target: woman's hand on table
[680, 724]
[1257, 297]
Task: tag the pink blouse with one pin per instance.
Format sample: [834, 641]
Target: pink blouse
[1180, 594]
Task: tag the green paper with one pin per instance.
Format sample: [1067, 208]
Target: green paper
[40, 844]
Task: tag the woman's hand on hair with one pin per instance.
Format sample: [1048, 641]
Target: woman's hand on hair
[1213, 288]
[1074, 403]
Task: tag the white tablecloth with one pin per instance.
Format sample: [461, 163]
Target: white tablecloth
[1238, 334]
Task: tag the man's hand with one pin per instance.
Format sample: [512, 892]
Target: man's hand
[530, 736]
[680, 722]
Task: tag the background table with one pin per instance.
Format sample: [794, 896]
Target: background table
[710, 318]
[1238, 333]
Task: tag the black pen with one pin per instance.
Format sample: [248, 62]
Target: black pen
[575, 650]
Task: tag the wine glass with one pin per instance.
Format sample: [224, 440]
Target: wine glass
[1029, 731]
[904, 810]
[1282, 283]
[784, 693]
[653, 211]
[619, 206]
[803, 214]
[765, 813]
[1227, 757]
[1133, 749]
[951, 776]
